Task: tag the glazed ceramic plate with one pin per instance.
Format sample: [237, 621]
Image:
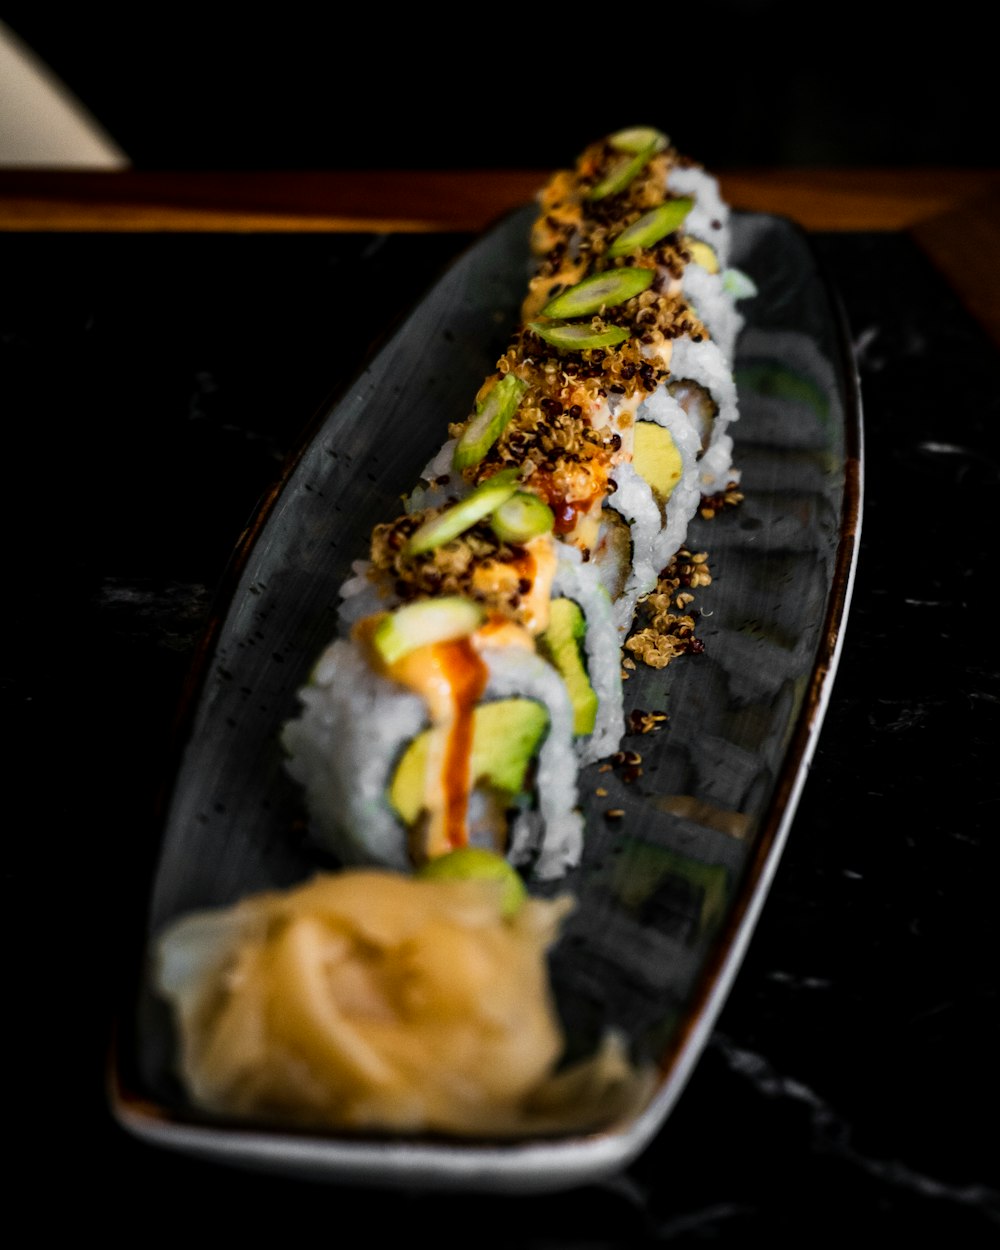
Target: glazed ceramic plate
[668, 891]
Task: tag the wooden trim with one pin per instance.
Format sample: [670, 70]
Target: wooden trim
[954, 214]
[443, 200]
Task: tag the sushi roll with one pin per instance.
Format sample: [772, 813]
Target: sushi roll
[478, 666]
[632, 199]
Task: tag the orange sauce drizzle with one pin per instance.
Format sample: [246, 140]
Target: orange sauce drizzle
[466, 674]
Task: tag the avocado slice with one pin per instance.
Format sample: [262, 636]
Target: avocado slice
[738, 284]
[506, 734]
[656, 459]
[702, 254]
[562, 643]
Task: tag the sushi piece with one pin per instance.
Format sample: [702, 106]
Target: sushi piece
[628, 192]
[573, 437]
[530, 579]
[468, 740]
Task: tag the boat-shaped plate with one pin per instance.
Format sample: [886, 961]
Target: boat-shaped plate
[669, 888]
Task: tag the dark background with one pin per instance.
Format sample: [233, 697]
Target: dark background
[735, 82]
[151, 386]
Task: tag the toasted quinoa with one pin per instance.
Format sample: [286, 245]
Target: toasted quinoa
[477, 564]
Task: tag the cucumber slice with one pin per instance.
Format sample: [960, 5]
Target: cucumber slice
[601, 290]
[636, 138]
[652, 226]
[424, 622]
[623, 173]
[522, 517]
[491, 418]
[471, 863]
[461, 516]
[738, 284]
[577, 336]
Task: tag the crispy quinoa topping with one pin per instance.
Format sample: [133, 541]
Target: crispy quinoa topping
[657, 314]
[565, 209]
[476, 564]
[629, 763]
[640, 722]
[669, 629]
[712, 505]
[561, 456]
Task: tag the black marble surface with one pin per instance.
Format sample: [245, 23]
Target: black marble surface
[150, 386]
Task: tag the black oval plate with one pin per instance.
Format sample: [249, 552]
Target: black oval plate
[668, 892]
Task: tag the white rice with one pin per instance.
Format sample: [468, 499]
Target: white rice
[634, 503]
[662, 408]
[353, 726]
[438, 482]
[707, 294]
[705, 364]
[361, 595]
[709, 218]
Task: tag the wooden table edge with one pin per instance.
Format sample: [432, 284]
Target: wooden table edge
[953, 214]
